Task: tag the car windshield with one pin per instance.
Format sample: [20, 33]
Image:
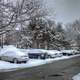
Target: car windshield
[10, 53]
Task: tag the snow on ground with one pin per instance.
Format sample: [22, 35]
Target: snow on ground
[76, 77]
[7, 66]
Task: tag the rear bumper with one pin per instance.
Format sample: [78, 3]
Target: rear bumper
[21, 59]
[53, 56]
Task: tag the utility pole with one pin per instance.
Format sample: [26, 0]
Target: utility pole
[2, 41]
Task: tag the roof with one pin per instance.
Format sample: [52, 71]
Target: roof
[68, 51]
[53, 51]
[13, 49]
[36, 51]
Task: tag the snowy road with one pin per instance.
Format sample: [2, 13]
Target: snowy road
[55, 69]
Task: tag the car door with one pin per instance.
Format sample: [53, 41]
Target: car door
[7, 56]
[4, 56]
[10, 56]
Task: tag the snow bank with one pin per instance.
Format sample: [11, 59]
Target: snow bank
[76, 77]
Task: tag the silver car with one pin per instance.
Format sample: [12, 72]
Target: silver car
[54, 53]
[15, 57]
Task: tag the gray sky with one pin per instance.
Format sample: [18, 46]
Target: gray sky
[65, 10]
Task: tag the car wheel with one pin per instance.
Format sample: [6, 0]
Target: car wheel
[49, 56]
[39, 57]
[0, 58]
[24, 61]
[15, 60]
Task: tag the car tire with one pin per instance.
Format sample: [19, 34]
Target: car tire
[24, 61]
[39, 57]
[49, 56]
[0, 58]
[15, 60]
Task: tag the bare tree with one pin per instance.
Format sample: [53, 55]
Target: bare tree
[23, 12]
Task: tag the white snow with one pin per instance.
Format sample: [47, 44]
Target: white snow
[37, 51]
[69, 51]
[7, 66]
[76, 77]
[31, 63]
[12, 49]
[53, 51]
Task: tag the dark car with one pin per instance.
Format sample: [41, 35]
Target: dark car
[69, 52]
[37, 54]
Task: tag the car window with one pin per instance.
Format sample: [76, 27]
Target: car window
[9, 53]
[35, 53]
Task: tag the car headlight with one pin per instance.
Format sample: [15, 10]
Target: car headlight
[42, 55]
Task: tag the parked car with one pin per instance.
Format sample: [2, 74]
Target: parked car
[37, 54]
[12, 54]
[69, 52]
[24, 51]
[54, 53]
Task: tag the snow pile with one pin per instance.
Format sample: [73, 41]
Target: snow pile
[76, 77]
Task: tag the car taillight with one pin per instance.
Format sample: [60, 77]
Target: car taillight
[24, 56]
[55, 53]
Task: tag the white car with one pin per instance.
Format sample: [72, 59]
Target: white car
[13, 55]
[69, 52]
[54, 53]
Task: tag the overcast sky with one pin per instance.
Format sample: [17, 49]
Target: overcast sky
[65, 10]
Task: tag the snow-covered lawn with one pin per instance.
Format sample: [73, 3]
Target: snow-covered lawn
[7, 66]
[76, 77]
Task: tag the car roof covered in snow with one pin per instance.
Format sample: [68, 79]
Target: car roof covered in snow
[69, 51]
[12, 49]
[24, 50]
[53, 51]
[36, 51]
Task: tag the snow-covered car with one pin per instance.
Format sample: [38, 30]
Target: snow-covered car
[54, 53]
[69, 52]
[37, 54]
[12, 54]
[24, 50]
